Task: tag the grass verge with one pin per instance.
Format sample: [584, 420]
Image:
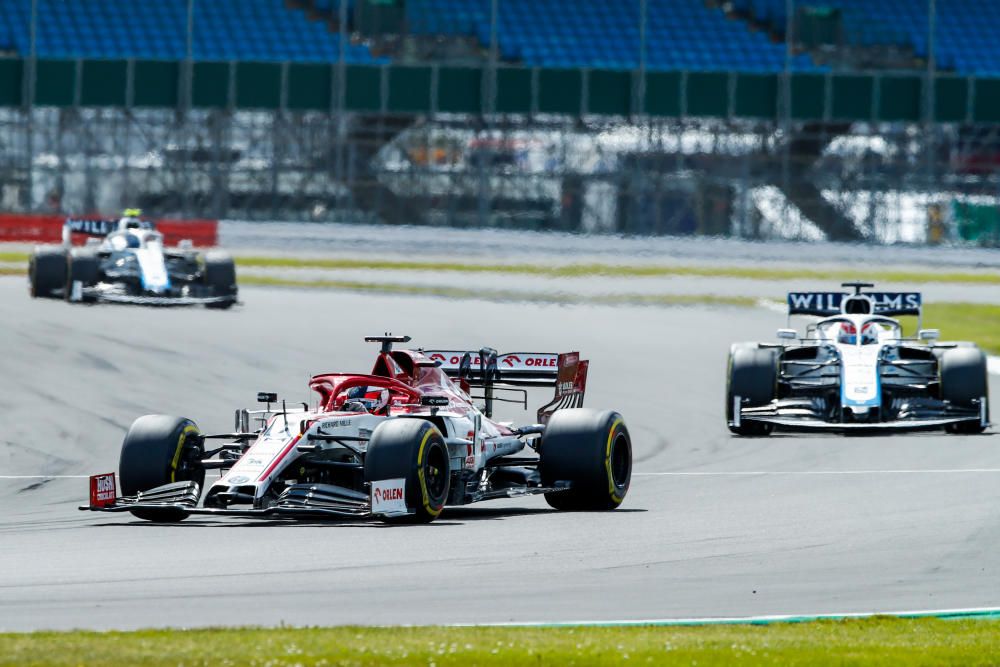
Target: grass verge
[979, 323]
[614, 270]
[987, 277]
[874, 641]
[502, 295]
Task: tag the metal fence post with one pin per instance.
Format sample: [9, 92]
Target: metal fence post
[786, 109]
[929, 111]
[29, 105]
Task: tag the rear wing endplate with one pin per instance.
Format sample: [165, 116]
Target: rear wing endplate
[565, 372]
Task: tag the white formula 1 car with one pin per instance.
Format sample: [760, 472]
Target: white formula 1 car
[398, 443]
[854, 370]
[125, 261]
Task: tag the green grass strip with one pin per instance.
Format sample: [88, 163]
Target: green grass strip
[502, 295]
[983, 277]
[873, 641]
[977, 322]
[613, 270]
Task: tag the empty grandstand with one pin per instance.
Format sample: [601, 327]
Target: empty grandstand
[842, 119]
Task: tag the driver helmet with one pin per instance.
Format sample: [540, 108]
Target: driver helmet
[848, 334]
[131, 219]
[133, 241]
[869, 333]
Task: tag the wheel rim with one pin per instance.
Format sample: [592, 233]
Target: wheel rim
[621, 461]
[435, 475]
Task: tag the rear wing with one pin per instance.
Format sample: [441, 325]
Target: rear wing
[91, 227]
[825, 304]
[566, 373]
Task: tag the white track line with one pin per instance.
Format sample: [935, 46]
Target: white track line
[726, 620]
[44, 476]
[993, 365]
[750, 473]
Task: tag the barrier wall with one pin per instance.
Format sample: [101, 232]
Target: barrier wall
[432, 89]
[16, 228]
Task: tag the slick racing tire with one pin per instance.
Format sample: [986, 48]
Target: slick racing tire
[83, 266]
[753, 376]
[47, 272]
[158, 450]
[592, 451]
[220, 278]
[964, 382]
[413, 450]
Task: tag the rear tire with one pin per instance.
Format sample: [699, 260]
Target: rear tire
[964, 381]
[158, 450]
[220, 278]
[753, 376]
[47, 273]
[592, 451]
[414, 450]
[83, 266]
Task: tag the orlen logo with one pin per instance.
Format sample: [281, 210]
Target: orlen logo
[437, 356]
[387, 495]
[511, 358]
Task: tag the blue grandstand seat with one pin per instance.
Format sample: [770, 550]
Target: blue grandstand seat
[685, 33]
[263, 30]
[589, 33]
[597, 33]
[965, 34]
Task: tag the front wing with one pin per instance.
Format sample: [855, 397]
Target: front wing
[161, 300]
[797, 416]
[298, 501]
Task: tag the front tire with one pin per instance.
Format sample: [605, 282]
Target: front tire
[220, 278]
[158, 450]
[414, 450]
[47, 273]
[82, 266]
[964, 382]
[753, 376]
[593, 452]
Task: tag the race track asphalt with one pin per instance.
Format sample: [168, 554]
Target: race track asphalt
[713, 525]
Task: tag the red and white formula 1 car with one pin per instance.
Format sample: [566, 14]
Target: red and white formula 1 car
[401, 442]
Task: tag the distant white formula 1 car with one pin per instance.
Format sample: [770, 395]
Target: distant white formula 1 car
[125, 261]
[854, 370]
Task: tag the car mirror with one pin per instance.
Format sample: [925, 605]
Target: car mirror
[242, 422]
[788, 334]
[929, 334]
